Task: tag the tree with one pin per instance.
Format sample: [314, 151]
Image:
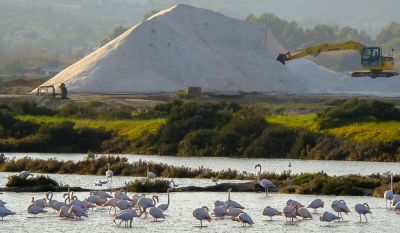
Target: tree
[12, 66]
[148, 14]
[114, 33]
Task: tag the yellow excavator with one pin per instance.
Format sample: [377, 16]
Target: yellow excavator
[371, 57]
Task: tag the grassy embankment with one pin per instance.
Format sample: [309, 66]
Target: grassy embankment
[129, 129]
[376, 131]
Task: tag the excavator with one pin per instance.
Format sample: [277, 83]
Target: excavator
[371, 57]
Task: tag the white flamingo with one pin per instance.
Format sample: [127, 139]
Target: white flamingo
[289, 212]
[397, 208]
[202, 214]
[156, 213]
[296, 203]
[220, 212]
[35, 210]
[127, 215]
[362, 209]
[271, 212]
[389, 193]
[244, 219]
[55, 205]
[96, 199]
[147, 203]
[230, 203]
[151, 175]
[265, 183]
[328, 217]
[317, 203]
[40, 202]
[77, 211]
[164, 207]
[64, 212]
[235, 211]
[5, 212]
[339, 207]
[304, 213]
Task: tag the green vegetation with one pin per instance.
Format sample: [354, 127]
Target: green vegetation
[17, 181]
[146, 185]
[114, 33]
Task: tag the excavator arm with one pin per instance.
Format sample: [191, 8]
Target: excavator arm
[316, 50]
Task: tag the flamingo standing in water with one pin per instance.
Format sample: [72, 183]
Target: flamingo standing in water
[202, 214]
[220, 212]
[265, 183]
[77, 211]
[5, 212]
[156, 213]
[289, 212]
[147, 203]
[164, 207]
[127, 215]
[271, 212]
[339, 207]
[64, 213]
[55, 205]
[328, 217]
[303, 212]
[362, 209]
[317, 203]
[151, 175]
[389, 193]
[235, 211]
[244, 219]
[35, 210]
[40, 202]
[230, 203]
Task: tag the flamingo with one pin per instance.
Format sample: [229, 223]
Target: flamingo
[5, 212]
[32, 209]
[73, 202]
[296, 203]
[397, 208]
[202, 214]
[77, 211]
[110, 203]
[317, 203]
[135, 198]
[271, 212]
[328, 217]
[61, 184]
[2, 203]
[127, 215]
[24, 174]
[164, 207]
[303, 212]
[214, 180]
[147, 203]
[64, 212]
[220, 212]
[244, 219]
[339, 207]
[87, 204]
[230, 203]
[395, 200]
[219, 203]
[265, 183]
[109, 174]
[235, 211]
[389, 193]
[55, 205]
[98, 193]
[96, 199]
[362, 209]
[151, 175]
[289, 212]
[122, 194]
[40, 202]
[156, 213]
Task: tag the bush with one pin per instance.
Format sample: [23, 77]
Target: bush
[146, 185]
[17, 181]
[29, 107]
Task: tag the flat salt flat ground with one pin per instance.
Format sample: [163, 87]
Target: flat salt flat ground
[179, 215]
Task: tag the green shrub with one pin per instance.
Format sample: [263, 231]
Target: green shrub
[149, 186]
[303, 178]
[17, 181]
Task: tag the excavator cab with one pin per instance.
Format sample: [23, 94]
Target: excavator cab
[370, 57]
[373, 60]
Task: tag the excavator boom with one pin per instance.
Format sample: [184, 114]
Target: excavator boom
[316, 50]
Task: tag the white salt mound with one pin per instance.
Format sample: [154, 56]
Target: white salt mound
[187, 46]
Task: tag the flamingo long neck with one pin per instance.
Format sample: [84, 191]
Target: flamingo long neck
[168, 199]
[258, 177]
[141, 211]
[154, 200]
[69, 195]
[229, 195]
[391, 183]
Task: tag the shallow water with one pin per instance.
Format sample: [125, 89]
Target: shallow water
[179, 215]
[245, 164]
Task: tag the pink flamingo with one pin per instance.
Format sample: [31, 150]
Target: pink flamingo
[362, 209]
[220, 212]
[128, 215]
[64, 213]
[339, 207]
[317, 203]
[77, 211]
[328, 217]
[230, 203]
[5, 212]
[265, 183]
[389, 193]
[202, 214]
[244, 219]
[271, 212]
[289, 212]
[32, 209]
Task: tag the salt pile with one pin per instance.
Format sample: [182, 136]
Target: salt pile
[187, 46]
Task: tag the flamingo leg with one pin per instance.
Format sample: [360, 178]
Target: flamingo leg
[365, 217]
[267, 191]
[201, 223]
[360, 217]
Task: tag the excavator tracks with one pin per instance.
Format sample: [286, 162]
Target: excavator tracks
[374, 74]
